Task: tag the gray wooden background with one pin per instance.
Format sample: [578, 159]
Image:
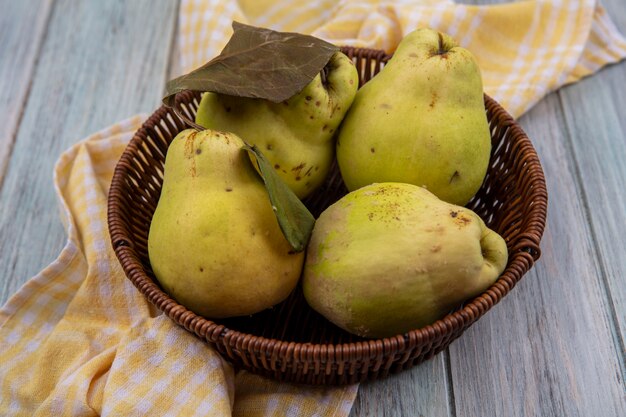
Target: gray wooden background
[553, 347]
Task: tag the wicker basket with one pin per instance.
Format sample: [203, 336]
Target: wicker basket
[291, 342]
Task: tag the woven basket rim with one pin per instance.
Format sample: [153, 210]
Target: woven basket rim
[522, 255]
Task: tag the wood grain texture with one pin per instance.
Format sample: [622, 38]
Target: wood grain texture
[22, 25]
[419, 392]
[546, 349]
[101, 62]
[596, 121]
[550, 348]
[553, 347]
[175, 68]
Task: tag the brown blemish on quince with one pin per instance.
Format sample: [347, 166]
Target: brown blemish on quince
[189, 144]
[297, 169]
[463, 220]
[460, 218]
[189, 141]
[433, 100]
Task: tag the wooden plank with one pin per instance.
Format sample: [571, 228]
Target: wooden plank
[596, 122]
[22, 25]
[421, 391]
[546, 349]
[101, 62]
[175, 68]
[532, 354]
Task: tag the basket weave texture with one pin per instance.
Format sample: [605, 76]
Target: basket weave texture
[291, 342]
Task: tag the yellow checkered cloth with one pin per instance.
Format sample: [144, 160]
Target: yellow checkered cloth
[525, 49]
[79, 340]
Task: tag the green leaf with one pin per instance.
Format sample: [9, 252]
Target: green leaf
[294, 219]
[258, 63]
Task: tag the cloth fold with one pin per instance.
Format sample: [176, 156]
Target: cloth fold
[79, 340]
[525, 49]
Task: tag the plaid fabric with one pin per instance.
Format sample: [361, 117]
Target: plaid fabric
[79, 340]
[525, 49]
